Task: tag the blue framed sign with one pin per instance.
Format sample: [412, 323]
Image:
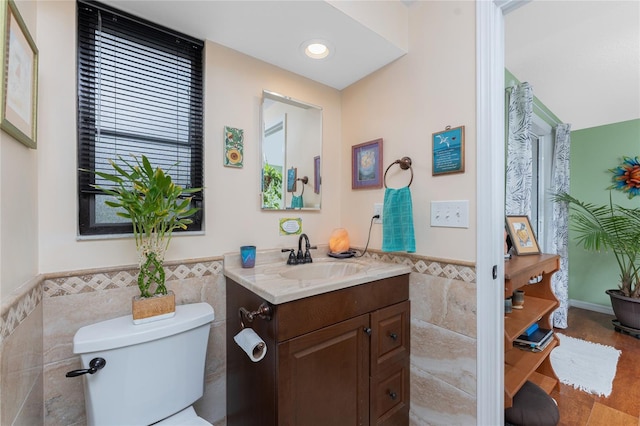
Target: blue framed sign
[448, 151]
[292, 175]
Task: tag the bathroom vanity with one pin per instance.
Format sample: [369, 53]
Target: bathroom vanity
[337, 347]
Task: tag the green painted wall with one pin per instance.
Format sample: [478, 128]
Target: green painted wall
[593, 152]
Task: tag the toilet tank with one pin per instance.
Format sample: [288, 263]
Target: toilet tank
[152, 370]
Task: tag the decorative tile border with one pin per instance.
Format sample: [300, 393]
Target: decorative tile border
[90, 281]
[16, 312]
[427, 266]
[97, 280]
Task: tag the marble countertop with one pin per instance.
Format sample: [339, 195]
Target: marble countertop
[277, 282]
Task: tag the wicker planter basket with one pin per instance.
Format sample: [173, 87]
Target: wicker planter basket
[153, 308]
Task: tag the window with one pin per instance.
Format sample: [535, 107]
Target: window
[541, 204]
[139, 92]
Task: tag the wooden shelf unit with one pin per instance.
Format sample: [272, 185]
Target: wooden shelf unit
[532, 273]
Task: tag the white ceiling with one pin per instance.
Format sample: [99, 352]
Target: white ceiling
[273, 31]
[581, 57]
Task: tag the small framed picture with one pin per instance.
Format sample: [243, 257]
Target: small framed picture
[316, 174]
[448, 151]
[521, 234]
[233, 147]
[366, 165]
[19, 78]
[292, 177]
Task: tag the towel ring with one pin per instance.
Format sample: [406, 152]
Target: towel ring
[304, 181]
[404, 163]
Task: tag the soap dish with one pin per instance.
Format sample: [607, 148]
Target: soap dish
[342, 255]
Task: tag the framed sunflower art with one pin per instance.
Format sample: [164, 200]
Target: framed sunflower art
[233, 147]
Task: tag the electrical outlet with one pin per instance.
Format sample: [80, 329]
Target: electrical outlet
[450, 214]
[377, 210]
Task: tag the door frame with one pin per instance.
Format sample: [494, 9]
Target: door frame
[490, 119]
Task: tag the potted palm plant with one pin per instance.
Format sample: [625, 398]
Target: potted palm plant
[156, 206]
[616, 229]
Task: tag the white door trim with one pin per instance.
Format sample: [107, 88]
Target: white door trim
[490, 208]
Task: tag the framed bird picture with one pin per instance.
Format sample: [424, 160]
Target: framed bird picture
[448, 151]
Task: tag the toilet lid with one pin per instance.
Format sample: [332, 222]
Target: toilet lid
[186, 417]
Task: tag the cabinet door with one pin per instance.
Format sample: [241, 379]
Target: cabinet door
[390, 348]
[324, 376]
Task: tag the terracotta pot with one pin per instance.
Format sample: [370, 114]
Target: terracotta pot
[626, 309]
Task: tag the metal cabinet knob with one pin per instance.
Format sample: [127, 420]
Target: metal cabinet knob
[367, 330]
[393, 336]
[393, 395]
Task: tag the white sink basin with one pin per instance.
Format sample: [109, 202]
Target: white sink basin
[321, 270]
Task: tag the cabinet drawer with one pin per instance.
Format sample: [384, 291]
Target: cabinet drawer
[390, 395]
[390, 342]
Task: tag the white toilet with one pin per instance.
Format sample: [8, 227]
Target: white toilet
[149, 373]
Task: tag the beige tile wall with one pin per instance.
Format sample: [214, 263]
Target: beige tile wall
[75, 300]
[21, 383]
[37, 328]
[443, 340]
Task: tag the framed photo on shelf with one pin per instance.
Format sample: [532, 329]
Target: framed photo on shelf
[19, 77]
[366, 165]
[521, 234]
[448, 151]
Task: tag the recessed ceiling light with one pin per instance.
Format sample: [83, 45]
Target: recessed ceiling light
[317, 49]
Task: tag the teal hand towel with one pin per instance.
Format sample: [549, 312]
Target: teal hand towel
[296, 202]
[397, 221]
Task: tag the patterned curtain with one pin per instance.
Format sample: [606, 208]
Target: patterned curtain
[560, 231]
[519, 156]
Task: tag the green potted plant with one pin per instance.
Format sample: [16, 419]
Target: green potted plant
[616, 229]
[156, 206]
[271, 187]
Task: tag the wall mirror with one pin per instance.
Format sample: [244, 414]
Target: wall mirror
[291, 154]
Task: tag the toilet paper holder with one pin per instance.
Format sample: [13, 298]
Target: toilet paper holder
[263, 311]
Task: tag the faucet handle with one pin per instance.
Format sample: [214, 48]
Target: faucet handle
[307, 254]
[292, 256]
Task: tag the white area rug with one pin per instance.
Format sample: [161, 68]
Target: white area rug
[584, 365]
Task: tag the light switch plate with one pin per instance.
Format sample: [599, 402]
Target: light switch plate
[450, 214]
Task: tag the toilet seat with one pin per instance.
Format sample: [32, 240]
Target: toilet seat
[186, 417]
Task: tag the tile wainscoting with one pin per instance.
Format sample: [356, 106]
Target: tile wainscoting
[443, 310]
[38, 324]
[81, 298]
[21, 379]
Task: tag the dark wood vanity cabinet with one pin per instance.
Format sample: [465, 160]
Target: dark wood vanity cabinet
[337, 358]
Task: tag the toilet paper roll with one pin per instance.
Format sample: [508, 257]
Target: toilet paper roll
[251, 343]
